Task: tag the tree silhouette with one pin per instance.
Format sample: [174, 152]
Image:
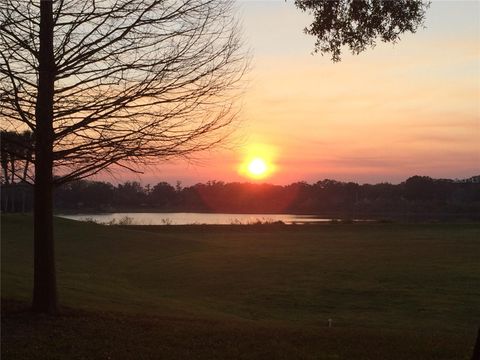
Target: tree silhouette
[102, 83]
[446, 199]
[16, 157]
[359, 24]
[5, 159]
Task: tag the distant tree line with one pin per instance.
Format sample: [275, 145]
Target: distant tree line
[419, 197]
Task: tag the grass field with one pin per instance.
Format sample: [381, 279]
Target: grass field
[393, 291]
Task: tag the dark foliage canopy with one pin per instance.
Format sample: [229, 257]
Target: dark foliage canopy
[359, 24]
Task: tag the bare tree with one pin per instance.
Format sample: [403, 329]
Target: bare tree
[112, 82]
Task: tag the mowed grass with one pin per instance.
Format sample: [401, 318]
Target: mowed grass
[393, 291]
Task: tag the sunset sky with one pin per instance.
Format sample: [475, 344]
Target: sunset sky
[387, 114]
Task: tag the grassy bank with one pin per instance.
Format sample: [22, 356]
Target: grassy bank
[393, 291]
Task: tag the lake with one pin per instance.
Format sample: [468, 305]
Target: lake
[193, 218]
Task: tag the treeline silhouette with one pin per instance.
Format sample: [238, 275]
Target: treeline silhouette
[419, 197]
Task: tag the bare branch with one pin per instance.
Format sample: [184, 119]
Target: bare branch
[136, 81]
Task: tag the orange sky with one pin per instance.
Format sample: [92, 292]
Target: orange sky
[387, 114]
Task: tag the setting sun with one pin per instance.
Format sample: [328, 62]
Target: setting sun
[258, 161]
[257, 167]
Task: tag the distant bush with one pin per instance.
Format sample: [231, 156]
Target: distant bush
[262, 221]
[166, 221]
[126, 220]
[90, 220]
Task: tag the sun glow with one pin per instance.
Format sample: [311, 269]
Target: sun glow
[258, 162]
[257, 167]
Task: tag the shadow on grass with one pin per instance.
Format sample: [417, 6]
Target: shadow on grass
[79, 334]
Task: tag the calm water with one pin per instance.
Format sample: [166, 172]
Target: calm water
[194, 218]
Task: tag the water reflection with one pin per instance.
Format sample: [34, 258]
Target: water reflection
[193, 218]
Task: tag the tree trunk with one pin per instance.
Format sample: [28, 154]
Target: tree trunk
[44, 287]
[12, 183]
[24, 184]
[24, 196]
[7, 182]
[12, 198]
[6, 198]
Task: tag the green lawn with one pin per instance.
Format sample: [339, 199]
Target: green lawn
[394, 291]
